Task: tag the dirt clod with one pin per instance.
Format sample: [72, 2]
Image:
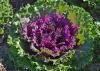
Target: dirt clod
[2, 67]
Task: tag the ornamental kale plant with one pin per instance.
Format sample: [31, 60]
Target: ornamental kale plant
[51, 36]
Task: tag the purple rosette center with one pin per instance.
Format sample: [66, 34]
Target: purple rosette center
[51, 35]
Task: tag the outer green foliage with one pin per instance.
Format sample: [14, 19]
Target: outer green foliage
[5, 11]
[1, 31]
[71, 61]
[92, 6]
[6, 14]
[97, 46]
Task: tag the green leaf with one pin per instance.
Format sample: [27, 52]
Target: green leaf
[1, 31]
